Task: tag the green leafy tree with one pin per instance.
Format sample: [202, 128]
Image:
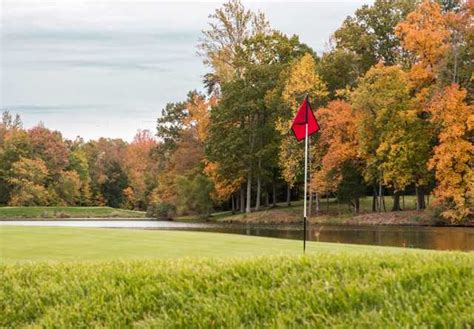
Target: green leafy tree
[370, 33]
[194, 195]
[68, 188]
[79, 164]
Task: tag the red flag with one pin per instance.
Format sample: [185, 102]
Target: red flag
[304, 115]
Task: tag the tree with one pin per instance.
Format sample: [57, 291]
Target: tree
[170, 126]
[68, 188]
[370, 33]
[15, 144]
[300, 80]
[194, 195]
[340, 167]
[107, 171]
[9, 123]
[115, 183]
[386, 143]
[339, 69]
[28, 178]
[425, 34]
[230, 25]
[189, 121]
[50, 147]
[453, 157]
[246, 153]
[79, 164]
[141, 168]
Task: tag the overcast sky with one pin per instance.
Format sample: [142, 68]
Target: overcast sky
[107, 68]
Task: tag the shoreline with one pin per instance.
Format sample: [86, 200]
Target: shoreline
[350, 223]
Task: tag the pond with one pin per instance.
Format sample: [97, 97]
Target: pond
[439, 238]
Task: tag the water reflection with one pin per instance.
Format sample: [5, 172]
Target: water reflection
[440, 238]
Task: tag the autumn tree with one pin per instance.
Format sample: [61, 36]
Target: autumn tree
[140, 166]
[453, 158]
[28, 179]
[391, 139]
[14, 145]
[229, 26]
[50, 147]
[340, 167]
[301, 80]
[425, 34]
[182, 128]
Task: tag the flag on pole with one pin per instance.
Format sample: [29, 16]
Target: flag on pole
[304, 116]
[304, 125]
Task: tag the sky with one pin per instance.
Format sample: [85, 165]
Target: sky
[107, 68]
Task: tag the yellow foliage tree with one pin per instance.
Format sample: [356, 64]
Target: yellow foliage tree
[302, 80]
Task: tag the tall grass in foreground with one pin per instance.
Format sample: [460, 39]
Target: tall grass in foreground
[373, 290]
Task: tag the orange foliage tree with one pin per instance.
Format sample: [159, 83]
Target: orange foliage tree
[141, 169]
[338, 136]
[453, 158]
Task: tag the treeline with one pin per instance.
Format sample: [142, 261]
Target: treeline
[38, 167]
[393, 96]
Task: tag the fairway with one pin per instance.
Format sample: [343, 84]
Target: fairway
[68, 212]
[87, 244]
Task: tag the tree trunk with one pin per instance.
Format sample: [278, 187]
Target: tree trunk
[242, 199]
[420, 198]
[267, 199]
[288, 195]
[357, 205]
[317, 202]
[249, 193]
[257, 201]
[380, 197]
[233, 203]
[310, 203]
[374, 200]
[274, 194]
[383, 201]
[396, 201]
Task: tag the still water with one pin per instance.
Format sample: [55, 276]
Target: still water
[439, 238]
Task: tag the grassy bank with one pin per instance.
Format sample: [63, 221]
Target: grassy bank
[330, 212]
[67, 212]
[21, 244]
[347, 290]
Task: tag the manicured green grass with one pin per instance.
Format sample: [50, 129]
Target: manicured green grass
[84, 244]
[79, 277]
[67, 212]
[372, 290]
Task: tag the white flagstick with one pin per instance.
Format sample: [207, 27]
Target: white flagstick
[305, 182]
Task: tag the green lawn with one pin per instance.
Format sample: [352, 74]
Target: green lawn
[77, 277]
[67, 212]
[78, 244]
